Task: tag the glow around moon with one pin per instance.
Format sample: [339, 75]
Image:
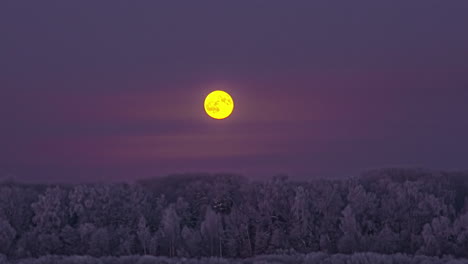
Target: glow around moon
[219, 104]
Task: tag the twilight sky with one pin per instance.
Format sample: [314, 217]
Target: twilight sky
[114, 90]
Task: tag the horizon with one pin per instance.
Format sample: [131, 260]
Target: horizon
[251, 178]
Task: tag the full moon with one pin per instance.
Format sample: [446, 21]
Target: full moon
[219, 104]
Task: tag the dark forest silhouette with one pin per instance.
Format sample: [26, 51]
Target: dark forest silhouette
[384, 211]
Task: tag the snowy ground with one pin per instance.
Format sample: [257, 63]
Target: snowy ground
[312, 258]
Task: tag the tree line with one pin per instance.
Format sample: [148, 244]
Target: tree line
[224, 215]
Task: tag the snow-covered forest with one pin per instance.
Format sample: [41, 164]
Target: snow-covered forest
[227, 216]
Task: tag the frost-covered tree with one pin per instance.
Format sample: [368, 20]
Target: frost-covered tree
[50, 216]
[122, 240]
[85, 231]
[301, 234]
[50, 211]
[238, 231]
[327, 206]
[15, 206]
[7, 236]
[71, 241]
[211, 232]
[144, 234]
[170, 227]
[99, 243]
[192, 241]
[460, 234]
[273, 216]
[386, 241]
[153, 246]
[351, 240]
[438, 237]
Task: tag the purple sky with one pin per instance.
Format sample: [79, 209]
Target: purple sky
[112, 90]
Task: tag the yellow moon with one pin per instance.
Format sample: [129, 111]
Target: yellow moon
[219, 104]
